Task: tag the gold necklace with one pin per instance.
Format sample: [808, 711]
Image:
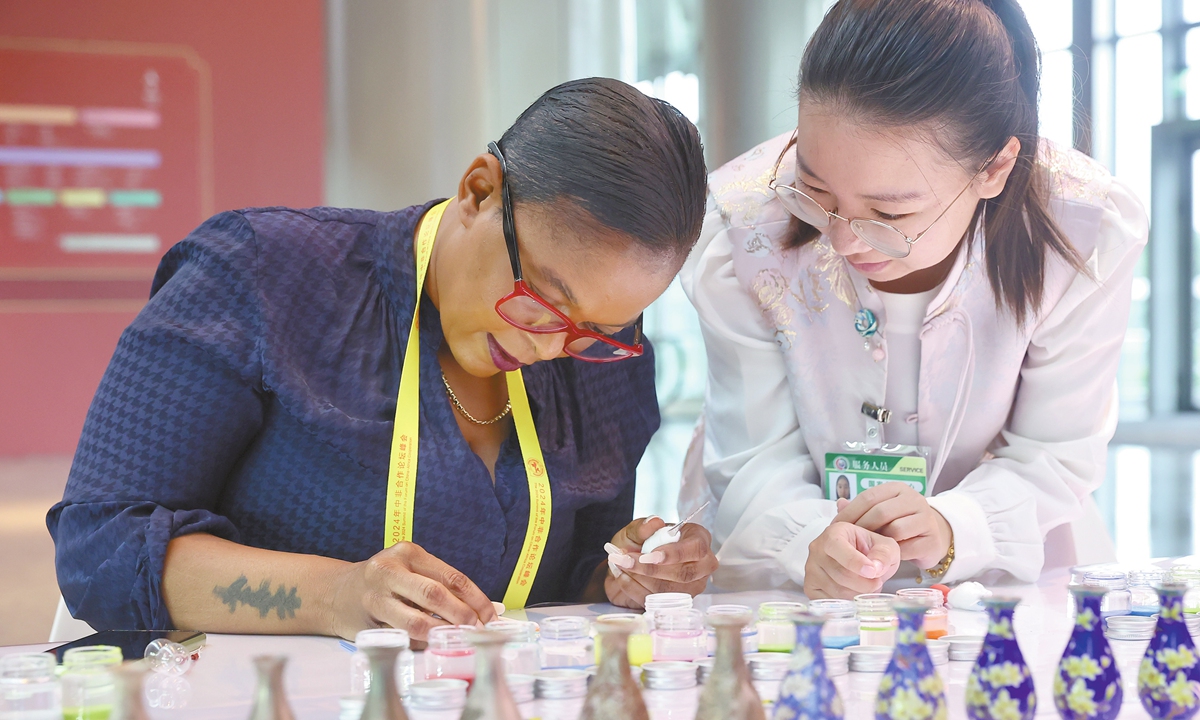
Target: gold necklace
[463, 411]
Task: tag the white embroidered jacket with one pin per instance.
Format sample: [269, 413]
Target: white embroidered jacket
[1018, 418]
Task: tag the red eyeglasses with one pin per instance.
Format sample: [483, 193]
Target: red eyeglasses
[525, 310]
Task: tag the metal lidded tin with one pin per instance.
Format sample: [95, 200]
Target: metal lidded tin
[521, 687]
[964, 648]
[668, 675]
[939, 651]
[869, 658]
[768, 665]
[1130, 627]
[703, 669]
[561, 683]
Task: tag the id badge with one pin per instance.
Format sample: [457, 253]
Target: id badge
[856, 467]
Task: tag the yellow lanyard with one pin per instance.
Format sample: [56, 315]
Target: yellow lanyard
[402, 468]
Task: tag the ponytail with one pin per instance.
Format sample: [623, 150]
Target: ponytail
[971, 69]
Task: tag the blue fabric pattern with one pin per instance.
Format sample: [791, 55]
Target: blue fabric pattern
[253, 398]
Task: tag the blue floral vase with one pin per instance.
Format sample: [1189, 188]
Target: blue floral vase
[1000, 686]
[1087, 684]
[807, 693]
[910, 688]
[1170, 674]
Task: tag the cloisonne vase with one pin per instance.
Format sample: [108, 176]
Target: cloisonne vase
[1087, 684]
[1000, 686]
[1169, 674]
[807, 692]
[910, 688]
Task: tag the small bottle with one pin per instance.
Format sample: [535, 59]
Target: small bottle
[522, 655]
[449, 653]
[679, 635]
[29, 689]
[910, 679]
[749, 633]
[270, 700]
[565, 642]
[841, 624]
[776, 633]
[489, 698]
[127, 685]
[1117, 600]
[807, 691]
[876, 619]
[87, 685]
[360, 667]
[729, 693]
[1143, 591]
[613, 695]
[641, 645]
[937, 618]
[382, 701]
[665, 601]
[169, 658]
[438, 699]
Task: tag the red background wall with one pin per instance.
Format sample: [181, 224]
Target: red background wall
[268, 106]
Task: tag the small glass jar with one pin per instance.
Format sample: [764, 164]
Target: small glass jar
[776, 632]
[670, 693]
[87, 685]
[360, 666]
[449, 653]
[641, 645]
[1117, 600]
[937, 618]
[442, 699]
[521, 653]
[665, 601]
[679, 635]
[29, 687]
[841, 625]
[1143, 590]
[749, 633]
[876, 619]
[565, 642]
[1188, 575]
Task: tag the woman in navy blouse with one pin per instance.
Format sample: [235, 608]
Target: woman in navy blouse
[233, 469]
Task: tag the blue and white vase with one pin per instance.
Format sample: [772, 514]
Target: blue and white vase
[807, 693]
[1087, 684]
[910, 688]
[1169, 675]
[1000, 686]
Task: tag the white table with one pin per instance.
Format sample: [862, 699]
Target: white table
[318, 672]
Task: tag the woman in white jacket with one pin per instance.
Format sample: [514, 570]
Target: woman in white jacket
[912, 265]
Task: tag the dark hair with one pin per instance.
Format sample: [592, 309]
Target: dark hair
[969, 71]
[633, 162]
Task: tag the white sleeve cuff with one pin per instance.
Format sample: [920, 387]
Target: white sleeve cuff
[795, 553]
[974, 549]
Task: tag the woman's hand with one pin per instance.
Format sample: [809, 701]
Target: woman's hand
[404, 587]
[682, 566]
[896, 510]
[847, 560]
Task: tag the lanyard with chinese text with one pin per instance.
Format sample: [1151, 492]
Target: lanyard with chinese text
[402, 467]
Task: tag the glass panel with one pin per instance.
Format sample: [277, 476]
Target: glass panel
[1056, 108]
[1195, 284]
[1138, 107]
[1051, 22]
[1192, 55]
[1138, 16]
[1131, 519]
[1191, 11]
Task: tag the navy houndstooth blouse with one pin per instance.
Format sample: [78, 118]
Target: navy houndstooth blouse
[253, 399]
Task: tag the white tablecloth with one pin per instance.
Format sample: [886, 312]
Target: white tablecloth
[318, 672]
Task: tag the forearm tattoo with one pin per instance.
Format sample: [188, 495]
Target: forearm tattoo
[237, 593]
